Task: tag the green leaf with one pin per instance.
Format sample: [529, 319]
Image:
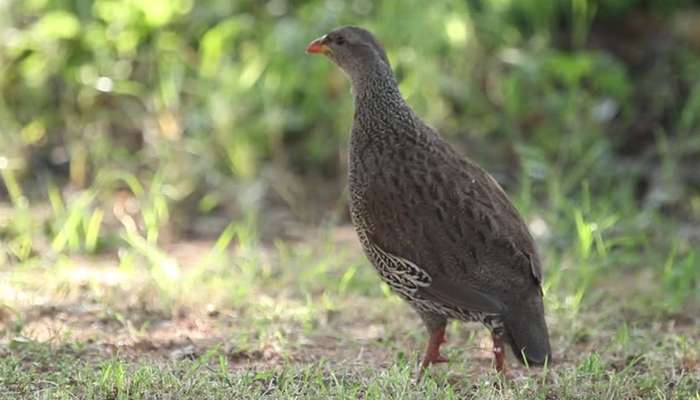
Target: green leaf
[57, 25]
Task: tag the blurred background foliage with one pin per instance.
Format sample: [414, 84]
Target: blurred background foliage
[131, 124]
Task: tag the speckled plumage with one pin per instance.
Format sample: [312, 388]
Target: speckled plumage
[439, 229]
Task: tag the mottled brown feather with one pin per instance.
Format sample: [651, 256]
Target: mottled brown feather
[438, 228]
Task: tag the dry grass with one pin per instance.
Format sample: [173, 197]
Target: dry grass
[290, 320]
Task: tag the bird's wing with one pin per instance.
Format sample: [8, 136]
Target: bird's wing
[464, 233]
[412, 277]
[446, 291]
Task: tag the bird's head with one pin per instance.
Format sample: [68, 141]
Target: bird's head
[353, 49]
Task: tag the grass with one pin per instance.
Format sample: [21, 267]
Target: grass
[209, 376]
[248, 318]
[94, 303]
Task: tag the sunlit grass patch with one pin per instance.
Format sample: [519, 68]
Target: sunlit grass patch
[76, 371]
[290, 319]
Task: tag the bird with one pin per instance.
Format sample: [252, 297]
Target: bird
[439, 229]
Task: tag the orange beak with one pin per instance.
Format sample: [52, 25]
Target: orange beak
[318, 47]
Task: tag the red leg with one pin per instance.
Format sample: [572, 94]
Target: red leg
[432, 352]
[499, 353]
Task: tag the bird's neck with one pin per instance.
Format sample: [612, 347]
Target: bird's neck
[376, 94]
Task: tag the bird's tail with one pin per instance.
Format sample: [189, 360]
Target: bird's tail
[528, 333]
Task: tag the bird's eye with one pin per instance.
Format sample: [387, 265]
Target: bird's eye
[340, 40]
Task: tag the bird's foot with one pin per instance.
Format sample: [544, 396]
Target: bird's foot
[432, 353]
[438, 359]
[499, 353]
